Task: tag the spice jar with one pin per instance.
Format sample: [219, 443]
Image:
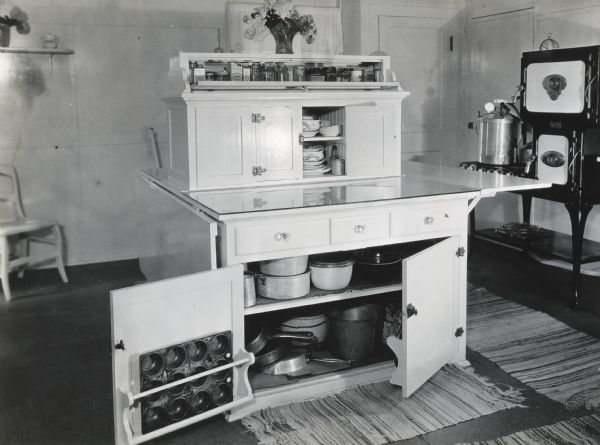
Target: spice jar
[299, 72]
[268, 72]
[255, 71]
[331, 74]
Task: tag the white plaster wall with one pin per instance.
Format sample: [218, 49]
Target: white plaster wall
[72, 125]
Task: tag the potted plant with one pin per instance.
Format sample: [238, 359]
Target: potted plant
[282, 20]
[17, 18]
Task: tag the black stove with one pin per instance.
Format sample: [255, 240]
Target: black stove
[509, 170]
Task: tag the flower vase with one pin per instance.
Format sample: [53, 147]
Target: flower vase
[284, 33]
[4, 35]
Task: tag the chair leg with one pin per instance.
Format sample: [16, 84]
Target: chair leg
[59, 258]
[23, 253]
[5, 267]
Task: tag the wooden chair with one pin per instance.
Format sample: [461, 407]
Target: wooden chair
[14, 226]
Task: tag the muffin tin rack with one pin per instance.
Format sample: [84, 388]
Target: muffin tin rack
[180, 384]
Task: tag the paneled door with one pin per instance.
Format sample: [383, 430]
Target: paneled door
[497, 42]
[419, 52]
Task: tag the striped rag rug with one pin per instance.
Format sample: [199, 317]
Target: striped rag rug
[377, 413]
[576, 431]
[552, 358]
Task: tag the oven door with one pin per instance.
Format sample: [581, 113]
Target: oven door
[556, 87]
[553, 158]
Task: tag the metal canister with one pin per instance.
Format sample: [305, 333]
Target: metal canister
[498, 135]
[249, 290]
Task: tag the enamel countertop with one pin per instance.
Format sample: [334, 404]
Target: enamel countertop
[419, 181]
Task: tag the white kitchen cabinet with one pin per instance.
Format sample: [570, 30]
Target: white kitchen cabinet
[159, 315]
[241, 143]
[250, 132]
[372, 132]
[278, 154]
[243, 149]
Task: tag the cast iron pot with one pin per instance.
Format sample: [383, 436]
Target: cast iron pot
[354, 330]
[379, 264]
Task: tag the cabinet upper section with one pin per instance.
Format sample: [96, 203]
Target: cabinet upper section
[225, 71]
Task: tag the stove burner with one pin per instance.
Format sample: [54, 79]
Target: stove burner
[509, 170]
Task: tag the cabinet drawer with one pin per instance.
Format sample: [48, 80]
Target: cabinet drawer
[285, 235]
[405, 222]
[359, 228]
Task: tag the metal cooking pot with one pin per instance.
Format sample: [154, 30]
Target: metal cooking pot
[284, 267]
[283, 288]
[379, 264]
[498, 132]
[354, 330]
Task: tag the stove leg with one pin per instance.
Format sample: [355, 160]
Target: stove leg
[578, 213]
[526, 199]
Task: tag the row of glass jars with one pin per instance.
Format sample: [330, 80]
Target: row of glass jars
[313, 72]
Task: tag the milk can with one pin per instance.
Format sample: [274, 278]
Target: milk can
[498, 132]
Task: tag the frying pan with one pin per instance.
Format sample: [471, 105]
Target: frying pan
[268, 347]
[297, 361]
[259, 336]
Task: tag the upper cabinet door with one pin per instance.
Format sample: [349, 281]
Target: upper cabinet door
[372, 140]
[224, 154]
[430, 291]
[150, 318]
[276, 138]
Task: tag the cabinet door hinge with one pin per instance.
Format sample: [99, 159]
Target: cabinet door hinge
[459, 332]
[460, 252]
[120, 345]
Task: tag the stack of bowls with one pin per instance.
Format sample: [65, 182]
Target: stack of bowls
[310, 126]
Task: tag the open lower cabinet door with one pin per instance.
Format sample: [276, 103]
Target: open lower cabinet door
[430, 291]
[178, 353]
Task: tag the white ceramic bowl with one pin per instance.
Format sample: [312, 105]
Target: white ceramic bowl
[310, 124]
[330, 271]
[331, 131]
[309, 134]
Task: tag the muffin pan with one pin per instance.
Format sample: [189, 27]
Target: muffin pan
[179, 361]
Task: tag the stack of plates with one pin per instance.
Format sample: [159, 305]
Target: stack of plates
[314, 162]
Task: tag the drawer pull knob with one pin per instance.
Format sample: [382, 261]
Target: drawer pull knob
[282, 236]
[360, 228]
[428, 220]
[258, 171]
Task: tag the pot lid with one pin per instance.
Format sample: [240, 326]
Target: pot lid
[380, 257]
[336, 259]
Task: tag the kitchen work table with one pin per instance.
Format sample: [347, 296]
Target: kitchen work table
[200, 242]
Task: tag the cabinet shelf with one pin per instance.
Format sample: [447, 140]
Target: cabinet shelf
[50, 51]
[303, 86]
[323, 138]
[318, 296]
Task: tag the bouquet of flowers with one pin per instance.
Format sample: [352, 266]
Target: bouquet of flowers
[282, 20]
[18, 19]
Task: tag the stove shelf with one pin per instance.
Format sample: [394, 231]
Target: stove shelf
[554, 244]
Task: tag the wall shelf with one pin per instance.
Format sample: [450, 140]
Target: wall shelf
[36, 51]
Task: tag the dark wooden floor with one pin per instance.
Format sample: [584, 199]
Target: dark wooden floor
[55, 359]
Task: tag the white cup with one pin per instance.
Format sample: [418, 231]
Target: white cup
[49, 41]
